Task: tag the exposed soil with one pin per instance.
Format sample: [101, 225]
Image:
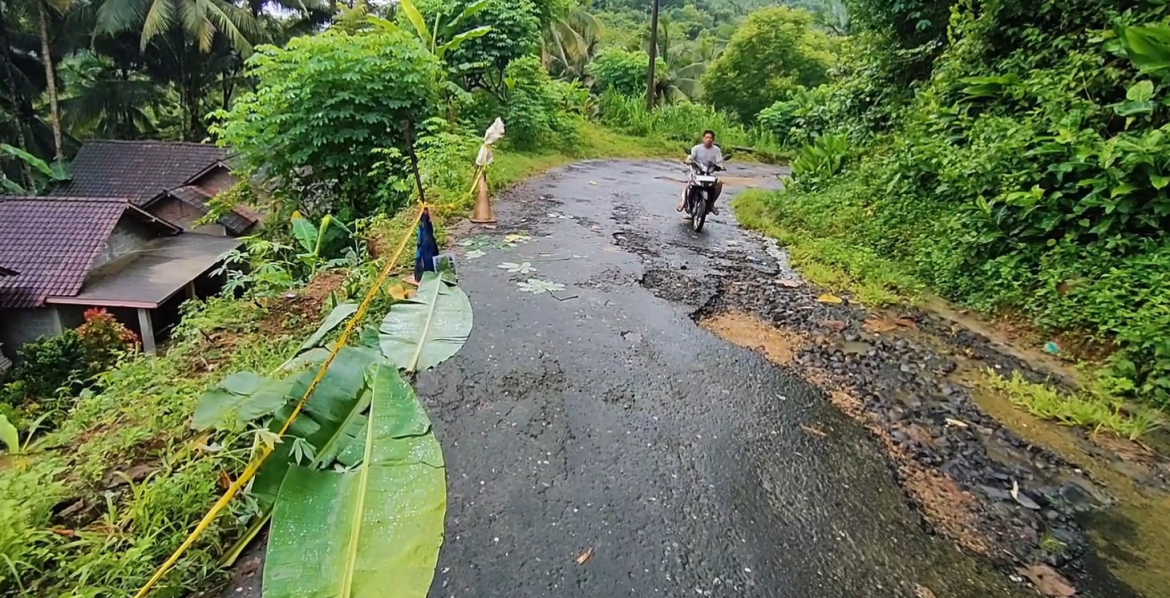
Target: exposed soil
[778, 346]
[994, 479]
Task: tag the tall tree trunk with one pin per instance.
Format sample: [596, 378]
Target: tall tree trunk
[51, 78]
[17, 102]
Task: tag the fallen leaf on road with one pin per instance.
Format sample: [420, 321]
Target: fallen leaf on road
[956, 422]
[814, 431]
[837, 325]
[906, 323]
[592, 182]
[791, 284]
[537, 286]
[829, 298]
[1049, 582]
[923, 592]
[585, 556]
[880, 325]
[522, 267]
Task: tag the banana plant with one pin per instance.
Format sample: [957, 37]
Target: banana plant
[312, 239]
[47, 173]
[429, 328]
[439, 37]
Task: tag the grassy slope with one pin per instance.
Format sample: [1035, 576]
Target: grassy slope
[121, 531]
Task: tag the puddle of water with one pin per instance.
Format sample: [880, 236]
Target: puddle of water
[1132, 535]
[750, 332]
[1002, 343]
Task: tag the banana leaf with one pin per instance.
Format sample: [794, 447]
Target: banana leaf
[239, 399]
[427, 330]
[339, 314]
[371, 532]
[329, 421]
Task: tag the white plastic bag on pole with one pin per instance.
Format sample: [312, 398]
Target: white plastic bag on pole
[493, 134]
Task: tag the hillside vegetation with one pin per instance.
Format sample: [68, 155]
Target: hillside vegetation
[1008, 156]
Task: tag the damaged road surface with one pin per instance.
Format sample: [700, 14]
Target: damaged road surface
[600, 443]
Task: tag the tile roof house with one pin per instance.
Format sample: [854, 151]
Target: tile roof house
[172, 180]
[67, 254]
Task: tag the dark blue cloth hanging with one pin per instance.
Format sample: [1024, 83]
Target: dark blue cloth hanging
[428, 247]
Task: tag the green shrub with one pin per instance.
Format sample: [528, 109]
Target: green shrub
[821, 159]
[323, 104]
[47, 365]
[622, 72]
[534, 107]
[514, 34]
[682, 122]
[773, 54]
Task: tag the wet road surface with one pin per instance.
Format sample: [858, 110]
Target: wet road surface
[604, 421]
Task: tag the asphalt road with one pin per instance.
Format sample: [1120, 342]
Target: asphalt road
[605, 422]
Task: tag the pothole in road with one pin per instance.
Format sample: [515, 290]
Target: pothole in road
[678, 287]
[750, 332]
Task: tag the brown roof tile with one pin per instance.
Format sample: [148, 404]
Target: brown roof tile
[51, 243]
[238, 221]
[138, 170]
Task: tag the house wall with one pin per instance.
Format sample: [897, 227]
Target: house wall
[184, 216]
[127, 236]
[19, 326]
[217, 181]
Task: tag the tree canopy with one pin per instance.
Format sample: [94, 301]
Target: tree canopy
[775, 52]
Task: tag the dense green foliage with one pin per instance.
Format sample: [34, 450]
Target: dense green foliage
[324, 104]
[1028, 171]
[621, 71]
[775, 53]
[534, 114]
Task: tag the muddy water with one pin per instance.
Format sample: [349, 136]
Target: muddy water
[1132, 533]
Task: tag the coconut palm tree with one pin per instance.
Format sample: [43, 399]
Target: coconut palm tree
[570, 41]
[197, 20]
[108, 100]
[685, 62]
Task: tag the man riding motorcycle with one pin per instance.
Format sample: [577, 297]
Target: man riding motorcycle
[705, 153]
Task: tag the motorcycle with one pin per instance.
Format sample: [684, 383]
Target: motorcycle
[701, 183]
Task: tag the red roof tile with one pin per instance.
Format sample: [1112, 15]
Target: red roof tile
[138, 170]
[51, 243]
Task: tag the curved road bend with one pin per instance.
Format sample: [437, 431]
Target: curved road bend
[609, 422]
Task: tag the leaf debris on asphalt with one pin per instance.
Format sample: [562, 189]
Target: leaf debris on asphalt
[585, 556]
[537, 286]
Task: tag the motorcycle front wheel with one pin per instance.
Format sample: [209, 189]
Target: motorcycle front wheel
[698, 209]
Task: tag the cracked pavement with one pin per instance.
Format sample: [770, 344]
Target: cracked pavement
[604, 421]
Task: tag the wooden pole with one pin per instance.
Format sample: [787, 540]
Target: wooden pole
[653, 54]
